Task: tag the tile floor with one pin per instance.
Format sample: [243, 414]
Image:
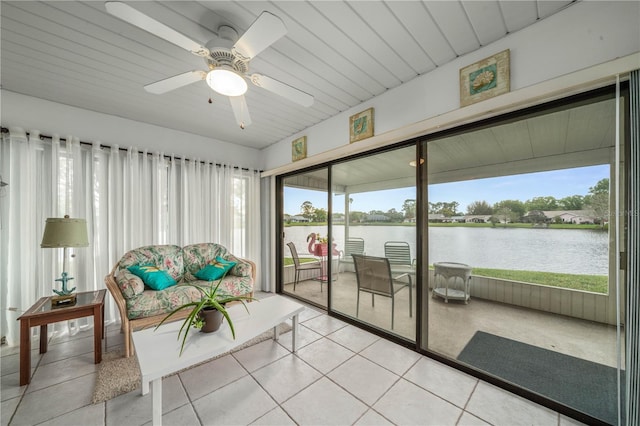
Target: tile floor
[340, 375]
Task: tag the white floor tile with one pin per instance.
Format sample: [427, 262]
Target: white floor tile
[468, 419]
[7, 408]
[277, 416]
[239, 403]
[65, 350]
[10, 386]
[61, 371]
[324, 324]
[364, 379]
[324, 403]
[208, 377]
[305, 336]
[353, 338]
[391, 356]
[181, 416]
[49, 403]
[497, 406]
[362, 386]
[259, 355]
[442, 380]
[10, 363]
[286, 377]
[135, 409]
[371, 418]
[90, 415]
[324, 355]
[407, 404]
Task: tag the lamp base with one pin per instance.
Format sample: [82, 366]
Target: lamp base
[65, 300]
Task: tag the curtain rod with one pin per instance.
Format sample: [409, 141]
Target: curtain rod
[43, 137]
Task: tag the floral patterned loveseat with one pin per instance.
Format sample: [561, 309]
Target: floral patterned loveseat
[140, 306]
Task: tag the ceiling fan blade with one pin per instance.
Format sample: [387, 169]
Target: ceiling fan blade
[140, 20]
[171, 83]
[264, 31]
[240, 110]
[284, 90]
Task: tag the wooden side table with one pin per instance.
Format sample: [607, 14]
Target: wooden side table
[42, 313]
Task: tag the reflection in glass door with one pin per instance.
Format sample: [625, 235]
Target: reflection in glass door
[304, 234]
[374, 230]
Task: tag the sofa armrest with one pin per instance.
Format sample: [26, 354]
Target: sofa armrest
[243, 268]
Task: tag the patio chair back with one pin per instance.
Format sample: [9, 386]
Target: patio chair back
[373, 275]
[351, 246]
[398, 253]
[307, 266]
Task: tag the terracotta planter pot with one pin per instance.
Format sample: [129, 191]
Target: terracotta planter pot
[212, 320]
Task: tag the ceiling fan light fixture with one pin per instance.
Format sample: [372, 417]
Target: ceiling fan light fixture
[226, 82]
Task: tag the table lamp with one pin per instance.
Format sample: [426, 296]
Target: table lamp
[64, 232]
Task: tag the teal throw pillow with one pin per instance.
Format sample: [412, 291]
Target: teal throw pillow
[152, 276]
[215, 269]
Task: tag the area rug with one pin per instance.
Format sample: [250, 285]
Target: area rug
[584, 385]
[118, 375]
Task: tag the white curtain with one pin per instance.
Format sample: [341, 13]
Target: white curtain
[129, 199]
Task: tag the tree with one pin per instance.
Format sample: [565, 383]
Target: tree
[541, 203]
[320, 215]
[572, 202]
[601, 187]
[479, 208]
[516, 206]
[435, 208]
[356, 216]
[409, 208]
[394, 215]
[450, 209]
[599, 204]
[307, 209]
[504, 215]
[598, 200]
[447, 209]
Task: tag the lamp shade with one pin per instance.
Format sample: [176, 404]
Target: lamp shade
[65, 232]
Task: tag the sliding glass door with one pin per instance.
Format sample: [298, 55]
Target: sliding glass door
[374, 231]
[521, 252]
[304, 227]
[492, 246]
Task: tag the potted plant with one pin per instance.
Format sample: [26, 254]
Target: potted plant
[207, 313]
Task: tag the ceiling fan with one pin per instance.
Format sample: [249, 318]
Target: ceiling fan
[227, 58]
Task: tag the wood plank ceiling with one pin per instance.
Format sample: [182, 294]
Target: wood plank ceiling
[341, 52]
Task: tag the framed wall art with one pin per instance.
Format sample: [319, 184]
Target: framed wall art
[299, 149]
[485, 79]
[361, 125]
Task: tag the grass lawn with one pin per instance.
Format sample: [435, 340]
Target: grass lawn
[594, 283]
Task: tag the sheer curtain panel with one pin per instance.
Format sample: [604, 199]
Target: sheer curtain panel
[128, 198]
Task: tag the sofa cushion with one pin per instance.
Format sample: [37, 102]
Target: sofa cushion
[230, 285]
[167, 257]
[129, 284]
[197, 256]
[215, 269]
[152, 302]
[242, 268]
[152, 276]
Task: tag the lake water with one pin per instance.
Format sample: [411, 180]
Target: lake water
[570, 251]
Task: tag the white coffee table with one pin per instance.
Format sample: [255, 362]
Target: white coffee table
[159, 350]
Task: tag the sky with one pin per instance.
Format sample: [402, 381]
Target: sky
[558, 183]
